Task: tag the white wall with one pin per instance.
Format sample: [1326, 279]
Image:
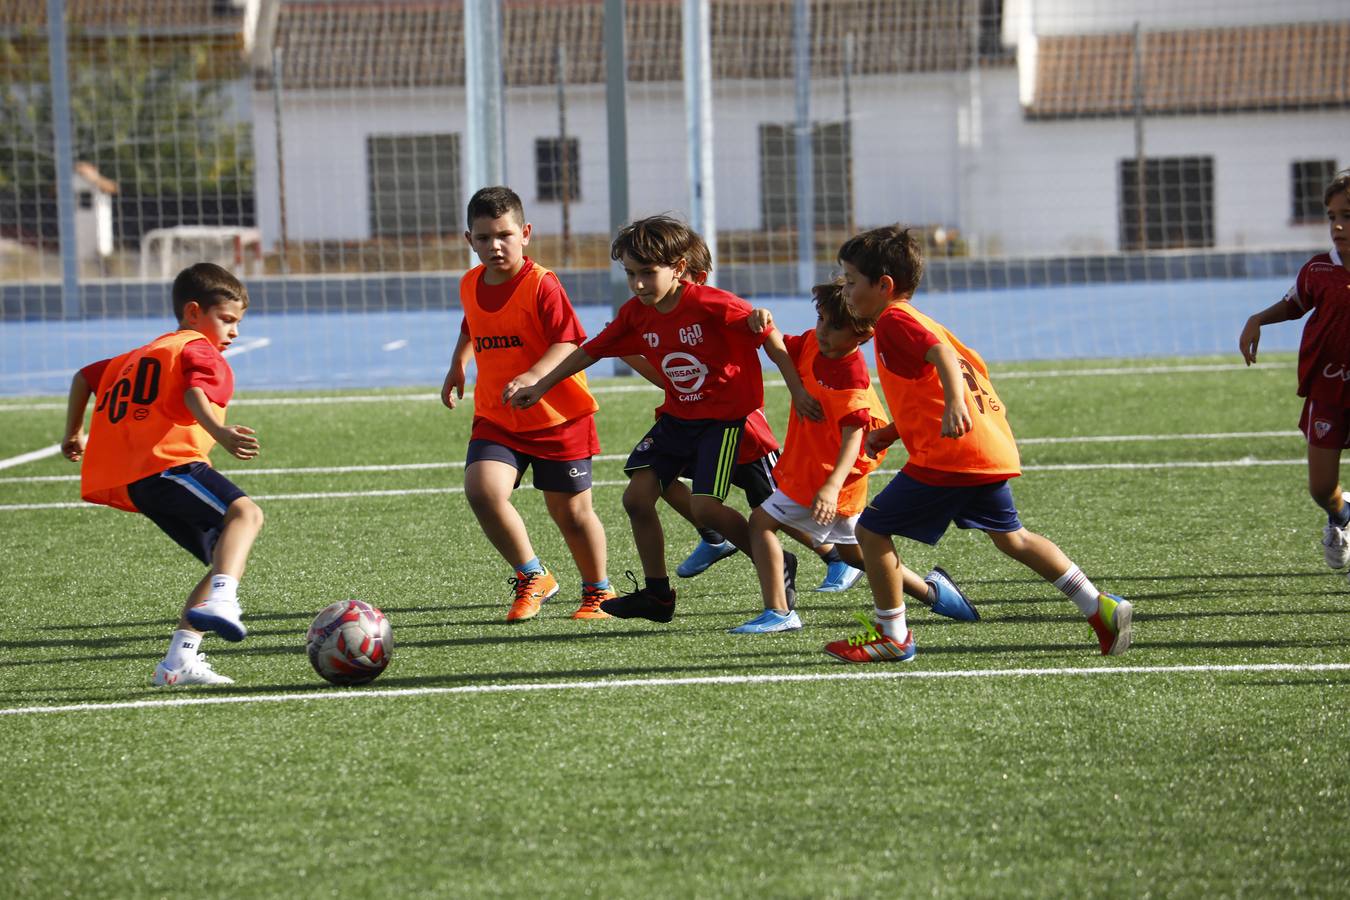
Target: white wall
[1106, 16]
[1011, 186]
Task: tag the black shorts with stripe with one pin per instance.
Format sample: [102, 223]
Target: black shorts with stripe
[704, 449]
[188, 503]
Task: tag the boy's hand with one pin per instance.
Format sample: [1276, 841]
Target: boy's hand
[1247, 341]
[956, 419]
[808, 407]
[879, 439]
[453, 386]
[825, 506]
[760, 320]
[73, 447]
[522, 397]
[239, 440]
[519, 383]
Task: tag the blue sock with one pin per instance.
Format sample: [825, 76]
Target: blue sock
[601, 585]
[531, 566]
[1342, 518]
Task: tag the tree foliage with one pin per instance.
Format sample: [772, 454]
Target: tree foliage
[139, 112]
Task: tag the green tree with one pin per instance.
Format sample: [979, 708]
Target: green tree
[141, 113]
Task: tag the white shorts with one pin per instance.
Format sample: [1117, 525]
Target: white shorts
[787, 511]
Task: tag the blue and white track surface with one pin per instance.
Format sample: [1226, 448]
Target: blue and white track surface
[386, 349]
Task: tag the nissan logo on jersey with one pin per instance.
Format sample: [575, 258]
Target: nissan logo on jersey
[685, 372]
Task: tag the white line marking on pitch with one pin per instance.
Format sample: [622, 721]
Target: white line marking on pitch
[31, 456]
[1198, 368]
[246, 346]
[893, 675]
[407, 492]
[610, 457]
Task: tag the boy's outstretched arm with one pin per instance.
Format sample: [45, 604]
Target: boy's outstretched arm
[640, 365]
[452, 389]
[806, 405]
[825, 505]
[523, 395]
[955, 415]
[1251, 332]
[239, 440]
[555, 354]
[73, 441]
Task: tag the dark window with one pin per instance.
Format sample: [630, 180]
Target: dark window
[832, 175]
[1310, 179]
[1174, 208]
[414, 184]
[557, 169]
[86, 199]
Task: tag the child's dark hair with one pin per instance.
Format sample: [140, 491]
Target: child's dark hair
[889, 250]
[208, 284]
[1340, 184]
[833, 307]
[697, 256]
[655, 241]
[495, 202]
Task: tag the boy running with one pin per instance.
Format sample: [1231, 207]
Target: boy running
[1323, 365]
[700, 341]
[518, 323]
[961, 454]
[160, 410]
[822, 474]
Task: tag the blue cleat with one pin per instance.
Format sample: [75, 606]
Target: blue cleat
[839, 576]
[704, 555]
[948, 599]
[769, 622]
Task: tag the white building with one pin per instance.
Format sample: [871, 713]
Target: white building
[1013, 125]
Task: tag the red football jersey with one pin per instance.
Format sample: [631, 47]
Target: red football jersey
[704, 349]
[1323, 286]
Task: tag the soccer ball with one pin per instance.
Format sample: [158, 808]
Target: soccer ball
[350, 642]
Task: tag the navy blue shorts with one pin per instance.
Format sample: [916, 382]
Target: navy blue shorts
[922, 512]
[571, 476]
[188, 503]
[703, 449]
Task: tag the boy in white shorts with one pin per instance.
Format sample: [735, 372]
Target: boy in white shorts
[822, 472]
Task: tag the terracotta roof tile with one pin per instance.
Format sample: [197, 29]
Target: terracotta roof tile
[420, 44]
[125, 15]
[1296, 66]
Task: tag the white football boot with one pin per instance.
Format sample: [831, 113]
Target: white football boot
[1336, 546]
[195, 671]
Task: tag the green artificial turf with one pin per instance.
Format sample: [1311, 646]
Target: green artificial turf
[624, 758]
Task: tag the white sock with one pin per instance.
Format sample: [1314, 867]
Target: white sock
[224, 587]
[1078, 588]
[183, 646]
[891, 622]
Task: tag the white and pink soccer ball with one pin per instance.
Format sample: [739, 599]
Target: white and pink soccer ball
[350, 642]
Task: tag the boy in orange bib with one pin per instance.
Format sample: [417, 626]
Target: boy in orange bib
[517, 324]
[961, 454]
[160, 410]
[821, 476]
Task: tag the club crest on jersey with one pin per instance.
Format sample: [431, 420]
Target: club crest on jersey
[496, 342]
[687, 373]
[1321, 427]
[644, 445]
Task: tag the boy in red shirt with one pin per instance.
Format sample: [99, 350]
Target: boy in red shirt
[160, 410]
[961, 454]
[753, 474]
[518, 323]
[700, 341]
[822, 474]
[1323, 287]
